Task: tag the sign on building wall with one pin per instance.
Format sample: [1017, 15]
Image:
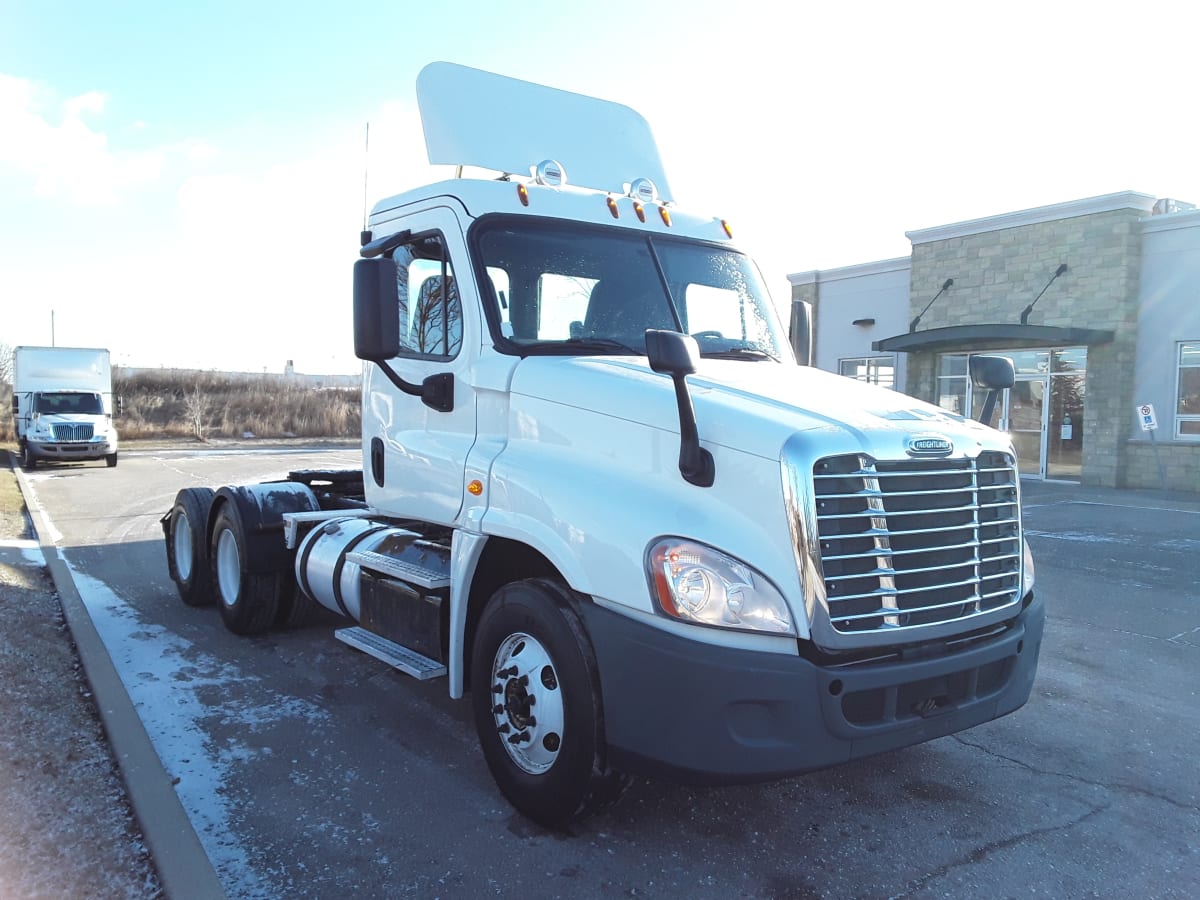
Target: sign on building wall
[1146, 416]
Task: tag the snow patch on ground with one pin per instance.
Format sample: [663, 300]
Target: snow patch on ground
[166, 676]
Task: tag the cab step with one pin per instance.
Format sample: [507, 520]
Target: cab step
[430, 579]
[407, 661]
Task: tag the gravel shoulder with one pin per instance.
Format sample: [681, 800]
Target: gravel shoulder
[66, 826]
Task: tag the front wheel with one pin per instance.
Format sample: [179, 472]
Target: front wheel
[28, 460]
[110, 460]
[538, 711]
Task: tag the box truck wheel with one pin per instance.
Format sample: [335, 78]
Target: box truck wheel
[187, 545]
[249, 601]
[28, 460]
[111, 460]
[536, 697]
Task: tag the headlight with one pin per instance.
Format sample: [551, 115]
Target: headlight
[698, 584]
[1026, 568]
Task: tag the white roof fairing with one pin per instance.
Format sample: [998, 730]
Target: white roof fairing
[475, 118]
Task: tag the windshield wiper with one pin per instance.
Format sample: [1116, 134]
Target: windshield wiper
[739, 353]
[602, 344]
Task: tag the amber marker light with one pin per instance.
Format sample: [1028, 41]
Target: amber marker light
[728, 230]
[666, 216]
[523, 193]
[612, 207]
[640, 210]
[475, 488]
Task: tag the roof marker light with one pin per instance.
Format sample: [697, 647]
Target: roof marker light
[523, 193]
[666, 216]
[612, 207]
[640, 210]
[550, 173]
[728, 229]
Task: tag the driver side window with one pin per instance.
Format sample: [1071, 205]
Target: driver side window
[430, 308]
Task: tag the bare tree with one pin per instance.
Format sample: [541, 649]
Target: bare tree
[6, 365]
[195, 406]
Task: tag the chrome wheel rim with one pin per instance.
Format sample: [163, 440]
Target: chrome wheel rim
[527, 703]
[183, 548]
[229, 567]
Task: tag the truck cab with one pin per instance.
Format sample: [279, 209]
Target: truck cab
[602, 499]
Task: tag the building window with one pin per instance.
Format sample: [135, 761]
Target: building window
[880, 370]
[1187, 402]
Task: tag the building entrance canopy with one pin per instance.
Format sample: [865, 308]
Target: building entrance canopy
[1010, 335]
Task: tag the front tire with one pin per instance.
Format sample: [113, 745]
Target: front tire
[535, 690]
[249, 601]
[111, 460]
[28, 460]
[187, 546]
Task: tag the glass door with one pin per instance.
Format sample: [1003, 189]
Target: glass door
[1064, 446]
[1025, 422]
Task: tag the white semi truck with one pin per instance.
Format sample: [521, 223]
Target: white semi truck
[600, 498]
[62, 405]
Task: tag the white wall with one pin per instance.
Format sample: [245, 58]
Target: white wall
[876, 291]
[1169, 312]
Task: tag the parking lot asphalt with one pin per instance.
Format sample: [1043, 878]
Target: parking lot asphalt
[1090, 790]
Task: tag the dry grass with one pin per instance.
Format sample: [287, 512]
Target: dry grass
[210, 404]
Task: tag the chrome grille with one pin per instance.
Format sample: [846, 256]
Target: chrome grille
[917, 542]
[72, 432]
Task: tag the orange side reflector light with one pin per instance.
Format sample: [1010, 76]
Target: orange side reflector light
[475, 488]
[612, 207]
[640, 210]
[523, 193]
[666, 216]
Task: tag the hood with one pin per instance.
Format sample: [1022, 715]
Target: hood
[754, 407]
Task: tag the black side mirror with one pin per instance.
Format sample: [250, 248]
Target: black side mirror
[995, 373]
[678, 355]
[376, 310]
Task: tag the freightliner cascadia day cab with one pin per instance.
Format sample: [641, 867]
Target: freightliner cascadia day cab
[600, 497]
[62, 405]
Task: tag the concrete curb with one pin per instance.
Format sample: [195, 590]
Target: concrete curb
[183, 867]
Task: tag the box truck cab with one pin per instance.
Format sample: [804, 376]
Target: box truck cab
[62, 405]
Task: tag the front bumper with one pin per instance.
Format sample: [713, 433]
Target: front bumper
[694, 712]
[68, 451]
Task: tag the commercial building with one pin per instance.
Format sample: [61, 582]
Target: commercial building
[1096, 301]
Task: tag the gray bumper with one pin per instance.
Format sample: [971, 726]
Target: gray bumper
[680, 709]
[66, 451]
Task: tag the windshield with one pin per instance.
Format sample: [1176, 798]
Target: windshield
[562, 287]
[72, 403]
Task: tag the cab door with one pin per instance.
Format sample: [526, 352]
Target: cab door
[413, 454]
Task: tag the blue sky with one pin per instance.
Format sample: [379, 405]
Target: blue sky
[183, 183]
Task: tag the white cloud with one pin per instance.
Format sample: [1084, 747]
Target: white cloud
[49, 141]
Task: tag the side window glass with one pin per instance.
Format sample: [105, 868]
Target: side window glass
[430, 308]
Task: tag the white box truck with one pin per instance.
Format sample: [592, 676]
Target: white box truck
[600, 497]
[63, 406]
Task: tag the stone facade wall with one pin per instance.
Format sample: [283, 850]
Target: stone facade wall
[998, 273]
[1180, 466]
